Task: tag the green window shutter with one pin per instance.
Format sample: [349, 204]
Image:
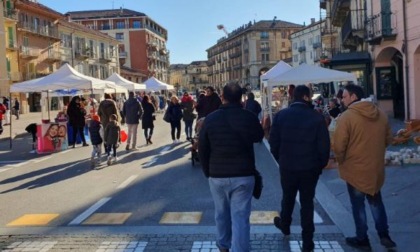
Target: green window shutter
[10, 36]
[386, 17]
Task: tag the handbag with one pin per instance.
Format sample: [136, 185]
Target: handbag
[258, 186]
[167, 117]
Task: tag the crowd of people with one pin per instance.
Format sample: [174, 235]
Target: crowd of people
[299, 141]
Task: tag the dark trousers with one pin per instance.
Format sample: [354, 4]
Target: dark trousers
[81, 132]
[175, 125]
[148, 135]
[110, 147]
[303, 182]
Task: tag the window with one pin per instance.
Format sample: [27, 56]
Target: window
[295, 58]
[137, 24]
[111, 51]
[283, 44]
[283, 35]
[65, 40]
[294, 45]
[265, 57]
[119, 36]
[120, 25]
[310, 41]
[264, 35]
[265, 46]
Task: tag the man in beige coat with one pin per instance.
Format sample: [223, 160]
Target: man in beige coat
[360, 139]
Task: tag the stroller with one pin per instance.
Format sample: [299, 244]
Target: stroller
[194, 141]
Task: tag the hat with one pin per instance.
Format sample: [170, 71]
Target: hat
[96, 118]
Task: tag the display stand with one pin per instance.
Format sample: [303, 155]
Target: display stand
[51, 137]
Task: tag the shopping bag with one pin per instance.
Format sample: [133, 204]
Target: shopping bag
[123, 136]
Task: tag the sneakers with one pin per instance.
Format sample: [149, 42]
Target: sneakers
[387, 242]
[280, 225]
[85, 144]
[109, 161]
[359, 244]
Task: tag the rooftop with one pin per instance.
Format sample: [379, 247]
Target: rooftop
[94, 14]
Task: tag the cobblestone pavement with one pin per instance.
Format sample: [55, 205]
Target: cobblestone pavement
[161, 242]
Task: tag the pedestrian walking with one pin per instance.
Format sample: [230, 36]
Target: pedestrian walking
[209, 103]
[107, 108]
[76, 114]
[6, 103]
[299, 142]
[2, 115]
[132, 111]
[226, 153]
[112, 138]
[148, 118]
[188, 116]
[96, 138]
[252, 105]
[16, 108]
[175, 115]
[360, 139]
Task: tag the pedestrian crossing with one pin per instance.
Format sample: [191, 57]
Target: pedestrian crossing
[91, 217]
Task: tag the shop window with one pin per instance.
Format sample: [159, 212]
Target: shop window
[385, 82]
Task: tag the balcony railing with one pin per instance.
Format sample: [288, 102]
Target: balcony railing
[381, 26]
[265, 49]
[47, 31]
[29, 52]
[301, 48]
[11, 45]
[339, 10]
[123, 55]
[316, 45]
[82, 54]
[353, 29]
[53, 56]
[10, 14]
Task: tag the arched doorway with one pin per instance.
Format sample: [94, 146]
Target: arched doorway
[414, 103]
[389, 74]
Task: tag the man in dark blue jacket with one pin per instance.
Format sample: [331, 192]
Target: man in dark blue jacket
[132, 111]
[300, 143]
[226, 149]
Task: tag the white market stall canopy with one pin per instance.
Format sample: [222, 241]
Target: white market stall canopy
[305, 73]
[153, 84]
[65, 78]
[280, 68]
[129, 85]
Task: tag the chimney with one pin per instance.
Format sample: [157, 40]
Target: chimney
[312, 20]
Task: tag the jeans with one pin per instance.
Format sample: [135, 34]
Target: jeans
[188, 128]
[377, 209]
[108, 149]
[77, 129]
[304, 182]
[132, 134]
[175, 125]
[232, 201]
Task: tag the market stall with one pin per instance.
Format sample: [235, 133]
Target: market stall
[50, 135]
[129, 85]
[305, 74]
[153, 84]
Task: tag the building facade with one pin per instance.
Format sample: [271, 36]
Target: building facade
[392, 32]
[344, 45]
[196, 75]
[307, 44]
[4, 73]
[250, 50]
[177, 74]
[142, 40]
[90, 52]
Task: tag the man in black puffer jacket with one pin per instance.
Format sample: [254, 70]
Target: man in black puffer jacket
[227, 156]
[300, 143]
[132, 111]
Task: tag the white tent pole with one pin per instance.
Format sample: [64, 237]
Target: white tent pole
[11, 124]
[48, 104]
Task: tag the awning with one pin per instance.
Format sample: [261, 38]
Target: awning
[350, 58]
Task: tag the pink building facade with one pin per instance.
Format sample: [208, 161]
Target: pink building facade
[393, 33]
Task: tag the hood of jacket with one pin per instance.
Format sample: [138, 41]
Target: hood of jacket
[366, 109]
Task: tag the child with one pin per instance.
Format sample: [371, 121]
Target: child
[96, 134]
[112, 138]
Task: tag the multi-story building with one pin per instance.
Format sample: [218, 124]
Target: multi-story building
[143, 41]
[344, 46]
[4, 78]
[177, 74]
[307, 44]
[250, 50]
[392, 31]
[196, 75]
[90, 52]
[38, 42]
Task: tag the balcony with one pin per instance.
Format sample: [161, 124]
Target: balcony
[153, 46]
[353, 30]
[123, 55]
[382, 26]
[12, 45]
[265, 49]
[104, 58]
[286, 49]
[46, 31]
[14, 76]
[316, 45]
[10, 15]
[339, 11]
[82, 54]
[163, 51]
[29, 52]
[53, 56]
[323, 4]
[301, 48]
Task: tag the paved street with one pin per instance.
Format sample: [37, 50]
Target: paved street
[153, 200]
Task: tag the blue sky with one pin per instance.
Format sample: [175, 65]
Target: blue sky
[191, 24]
